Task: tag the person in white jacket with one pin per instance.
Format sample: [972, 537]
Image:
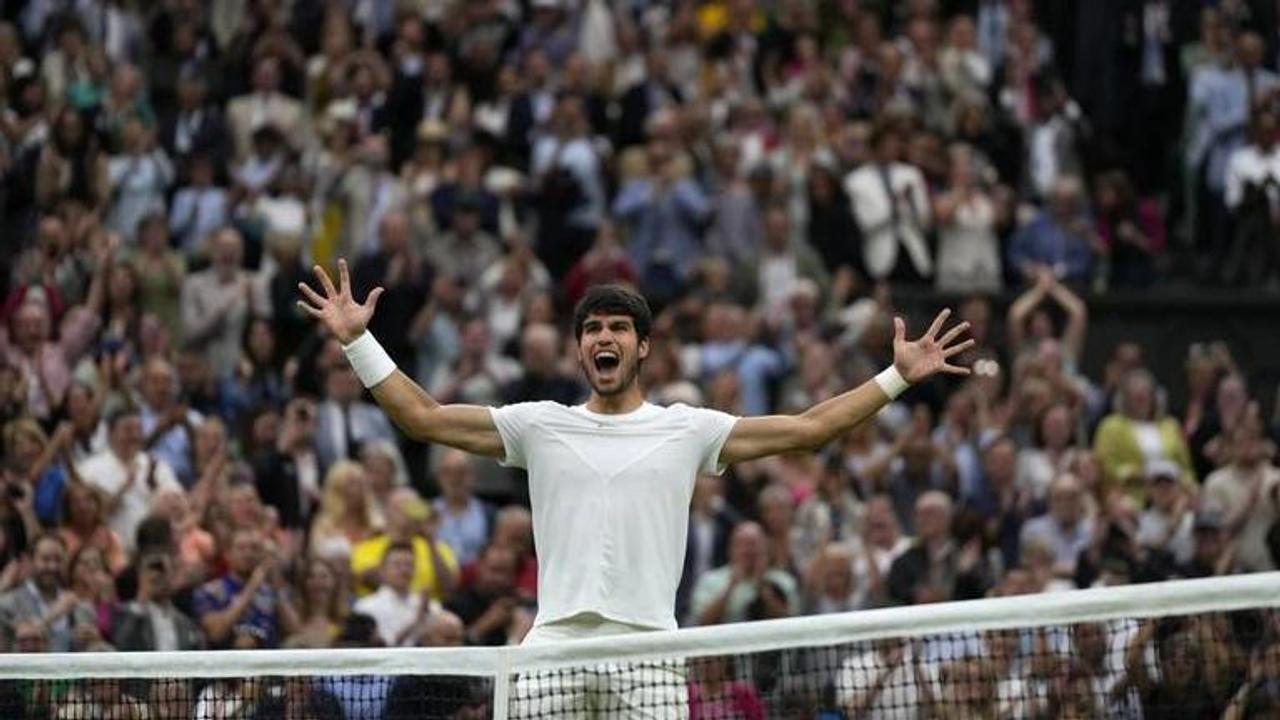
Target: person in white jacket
[891, 206]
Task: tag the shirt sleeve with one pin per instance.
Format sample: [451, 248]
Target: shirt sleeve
[515, 423]
[712, 428]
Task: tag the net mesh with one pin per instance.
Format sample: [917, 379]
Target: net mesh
[1191, 649]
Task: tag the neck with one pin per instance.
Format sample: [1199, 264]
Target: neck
[617, 404]
[458, 502]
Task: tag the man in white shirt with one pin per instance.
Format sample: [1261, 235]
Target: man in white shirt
[610, 481]
[130, 478]
[394, 606]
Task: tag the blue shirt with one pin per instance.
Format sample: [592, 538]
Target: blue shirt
[466, 532]
[259, 620]
[1047, 242]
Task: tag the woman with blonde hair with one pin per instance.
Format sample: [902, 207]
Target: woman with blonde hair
[385, 469]
[84, 523]
[348, 512]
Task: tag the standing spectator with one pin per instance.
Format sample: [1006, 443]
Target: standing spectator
[570, 198]
[322, 604]
[345, 421]
[934, 569]
[217, 303]
[747, 588]
[889, 681]
[968, 248]
[169, 424]
[200, 208]
[346, 515]
[366, 191]
[1166, 526]
[1052, 454]
[543, 378]
[1131, 231]
[404, 278]
[71, 165]
[713, 693]
[1252, 195]
[196, 127]
[287, 472]
[266, 105]
[139, 175]
[128, 476]
[466, 250]
[160, 271]
[1060, 238]
[891, 204]
[465, 520]
[44, 360]
[84, 525]
[830, 585]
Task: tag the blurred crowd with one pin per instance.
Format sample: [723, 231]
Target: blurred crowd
[189, 462]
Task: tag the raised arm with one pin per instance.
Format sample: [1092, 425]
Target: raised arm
[913, 362]
[1021, 309]
[417, 414]
[1073, 334]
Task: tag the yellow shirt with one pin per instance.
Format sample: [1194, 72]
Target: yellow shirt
[367, 555]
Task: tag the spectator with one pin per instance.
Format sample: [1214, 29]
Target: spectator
[160, 272]
[1139, 431]
[139, 175]
[746, 588]
[217, 303]
[409, 521]
[344, 421]
[128, 476]
[1131, 231]
[393, 606]
[714, 693]
[1166, 526]
[885, 681]
[1060, 239]
[1245, 493]
[404, 278]
[543, 378]
[265, 106]
[891, 205]
[170, 426]
[151, 621]
[84, 525]
[466, 250]
[1065, 531]
[44, 360]
[933, 569]
[346, 515]
[199, 209]
[71, 165]
[465, 520]
[968, 247]
[45, 600]
[490, 605]
[287, 472]
[321, 605]
[571, 194]
[243, 608]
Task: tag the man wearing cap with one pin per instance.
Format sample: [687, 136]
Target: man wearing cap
[1247, 494]
[466, 250]
[409, 519]
[1167, 522]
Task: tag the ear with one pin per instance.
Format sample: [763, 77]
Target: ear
[643, 348]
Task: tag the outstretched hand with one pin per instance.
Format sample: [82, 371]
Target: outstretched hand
[919, 359]
[337, 309]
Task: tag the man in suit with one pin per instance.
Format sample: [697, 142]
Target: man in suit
[152, 622]
[197, 125]
[711, 522]
[266, 105]
[891, 206]
[642, 99]
[344, 422]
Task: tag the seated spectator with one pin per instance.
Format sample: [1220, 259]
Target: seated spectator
[243, 608]
[830, 585]
[513, 529]
[346, 515]
[885, 679]
[409, 521]
[1052, 454]
[490, 606]
[543, 379]
[93, 585]
[1131, 231]
[405, 277]
[384, 472]
[151, 621]
[129, 477]
[84, 525]
[394, 606]
[713, 693]
[1187, 674]
[1139, 431]
[1065, 531]
[1252, 177]
[160, 271]
[46, 601]
[266, 105]
[746, 588]
[345, 421]
[1166, 525]
[934, 569]
[1059, 239]
[199, 209]
[466, 250]
[258, 378]
[321, 604]
[45, 359]
[40, 465]
[465, 520]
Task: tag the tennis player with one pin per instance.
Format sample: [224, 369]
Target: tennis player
[610, 481]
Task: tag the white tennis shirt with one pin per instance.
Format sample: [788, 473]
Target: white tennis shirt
[610, 496]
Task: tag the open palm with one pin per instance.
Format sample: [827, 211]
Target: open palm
[337, 309]
[919, 359]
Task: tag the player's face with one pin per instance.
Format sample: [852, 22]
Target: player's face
[610, 353]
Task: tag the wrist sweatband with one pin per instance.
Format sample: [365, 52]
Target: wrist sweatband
[371, 363]
[891, 382]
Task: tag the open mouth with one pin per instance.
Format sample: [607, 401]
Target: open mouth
[606, 361]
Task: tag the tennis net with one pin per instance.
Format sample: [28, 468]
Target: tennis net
[1187, 649]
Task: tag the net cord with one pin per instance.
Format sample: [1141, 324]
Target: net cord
[1178, 597]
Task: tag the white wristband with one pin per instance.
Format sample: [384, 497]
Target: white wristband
[892, 382]
[371, 363]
